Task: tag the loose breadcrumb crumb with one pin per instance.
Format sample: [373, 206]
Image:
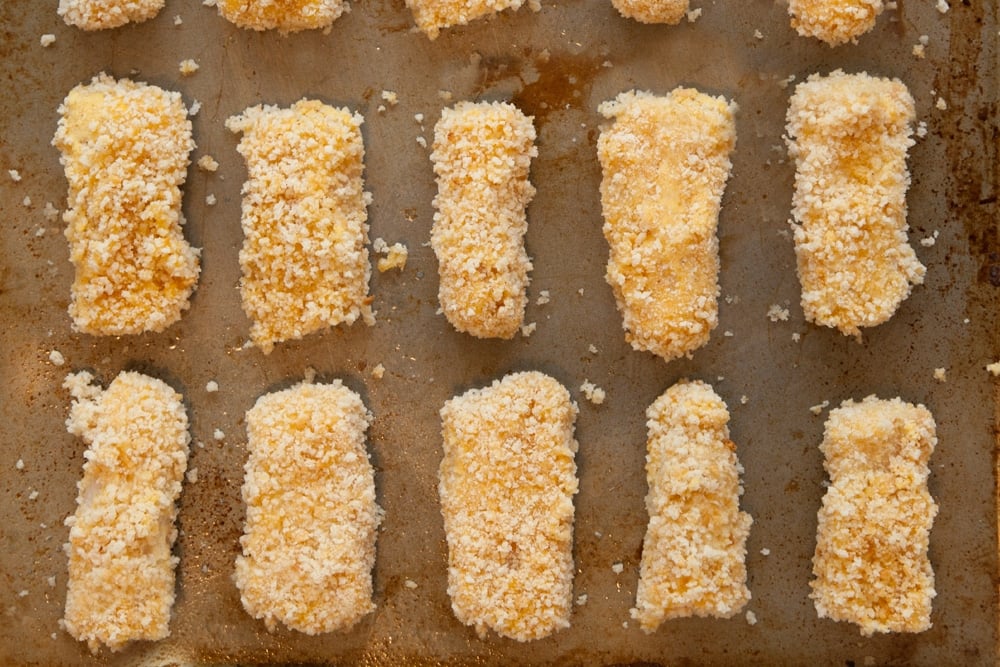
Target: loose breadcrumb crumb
[617, 568]
[592, 349]
[15, 175]
[941, 374]
[818, 409]
[777, 314]
[528, 329]
[744, 400]
[693, 15]
[47, 40]
[994, 368]
[20, 464]
[208, 163]
[194, 109]
[395, 257]
[757, 34]
[212, 386]
[378, 372]
[433, 15]
[219, 434]
[104, 14]
[26, 202]
[422, 142]
[919, 51]
[192, 476]
[592, 392]
[543, 298]
[285, 16]
[669, 12]
[943, 6]
[581, 600]
[751, 618]
[391, 97]
[57, 358]
[178, 20]
[941, 104]
[210, 200]
[50, 212]
[765, 552]
[409, 583]
[188, 67]
[834, 21]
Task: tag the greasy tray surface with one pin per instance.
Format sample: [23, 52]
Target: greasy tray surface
[558, 65]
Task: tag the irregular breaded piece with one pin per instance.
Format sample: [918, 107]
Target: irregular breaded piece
[507, 482]
[102, 14]
[309, 539]
[665, 162]
[121, 571]
[432, 15]
[283, 15]
[304, 255]
[871, 563]
[125, 149]
[849, 134]
[834, 21]
[482, 154]
[693, 556]
[669, 12]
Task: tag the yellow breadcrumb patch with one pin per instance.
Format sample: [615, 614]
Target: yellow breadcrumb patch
[394, 256]
[834, 21]
[849, 134]
[103, 14]
[309, 539]
[283, 15]
[693, 556]
[507, 482]
[871, 564]
[121, 571]
[482, 155]
[665, 162]
[125, 149]
[304, 255]
[432, 15]
[188, 67]
[653, 11]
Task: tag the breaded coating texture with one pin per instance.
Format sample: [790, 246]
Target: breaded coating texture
[665, 162]
[121, 571]
[871, 563]
[849, 134]
[432, 15]
[693, 556]
[507, 482]
[652, 11]
[309, 539]
[125, 149]
[482, 154]
[102, 14]
[304, 255]
[283, 15]
[834, 21]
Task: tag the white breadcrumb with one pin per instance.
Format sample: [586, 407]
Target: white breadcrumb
[744, 399]
[818, 409]
[693, 15]
[51, 581]
[482, 154]
[57, 358]
[751, 618]
[194, 108]
[849, 134]
[592, 392]
[125, 150]
[592, 349]
[218, 434]
[921, 129]
[208, 163]
[834, 21]
[188, 67]
[395, 258]
[871, 563]
[192, 476]
[304, 256]
[776, 313]
[507, 482]
[617, 568]
[391, 97]
[765, 552]
[104, 14]
[47, 40]
[378, 372]
[20, 464]
[994, 368]
[409, 583]
[669, 12]
[308, 545]
[943, 6]
[212, 386]
[941, 104]
[693, 556]
[941, 374]
[728, 334]
[15, 175]
[433, 15]
[50, 212]
[422, 142]
[178, 20]
[665, 161]
[543, 298]
[581, 600]
[283, 15]
[528, 329]
[796, 337]
[121, 571]
[757, 34]
[210, 200]
[919, 50]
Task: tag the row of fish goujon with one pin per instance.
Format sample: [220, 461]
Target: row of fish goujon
[832, 21]
[506, 485]
[305, 262]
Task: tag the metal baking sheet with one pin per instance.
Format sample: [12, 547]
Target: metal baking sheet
[558, 64]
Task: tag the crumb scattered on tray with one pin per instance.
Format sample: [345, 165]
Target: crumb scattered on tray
[751, 618]
[817, 409]
[15, 175]
[378, 372]
[777, 314]
[593, 393]
[188, 67]
[528, 329]
[941, 374]
[219, 434]
[212, 386]
[208, 163]
[57, 358]
[543, 298]
[994, 368]
[617, 568]
[47, 40]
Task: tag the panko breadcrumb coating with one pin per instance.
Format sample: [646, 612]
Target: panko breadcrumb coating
[665, 162]
[482, 154]
[125, 149]
[871, 563]
[282, 15]
[849, 134]
[507, 482]
[834, 21]
[669, 12]
[304, 255]
[103, 14]
[121, 570]
[693, 556]
[432, 15]
[309, 539]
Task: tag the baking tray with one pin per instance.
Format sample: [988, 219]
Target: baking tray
[558, 64]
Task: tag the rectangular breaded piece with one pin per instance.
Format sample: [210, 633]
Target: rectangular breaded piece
[282, 15]
[482, 155]
[693, 556]
[665, 162]
[669, 12]
[309, 539]
[125, 149]
[834, 21]
[305, 221]
[849, 134]
[432, 15]
[507, 482]
[103, 14]
[871, 563]
[121, 570]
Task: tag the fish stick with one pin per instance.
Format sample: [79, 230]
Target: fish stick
[309, 539]
[669, 12]
[432, 15]
[506, 483]
[849, 134]
[121, 570]
[693, 556]
[834, 21]
[125, 149]
[482, 154]
[871, 563]
[282, 15]
[103, 14]
[305, 221]
[665, 161]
